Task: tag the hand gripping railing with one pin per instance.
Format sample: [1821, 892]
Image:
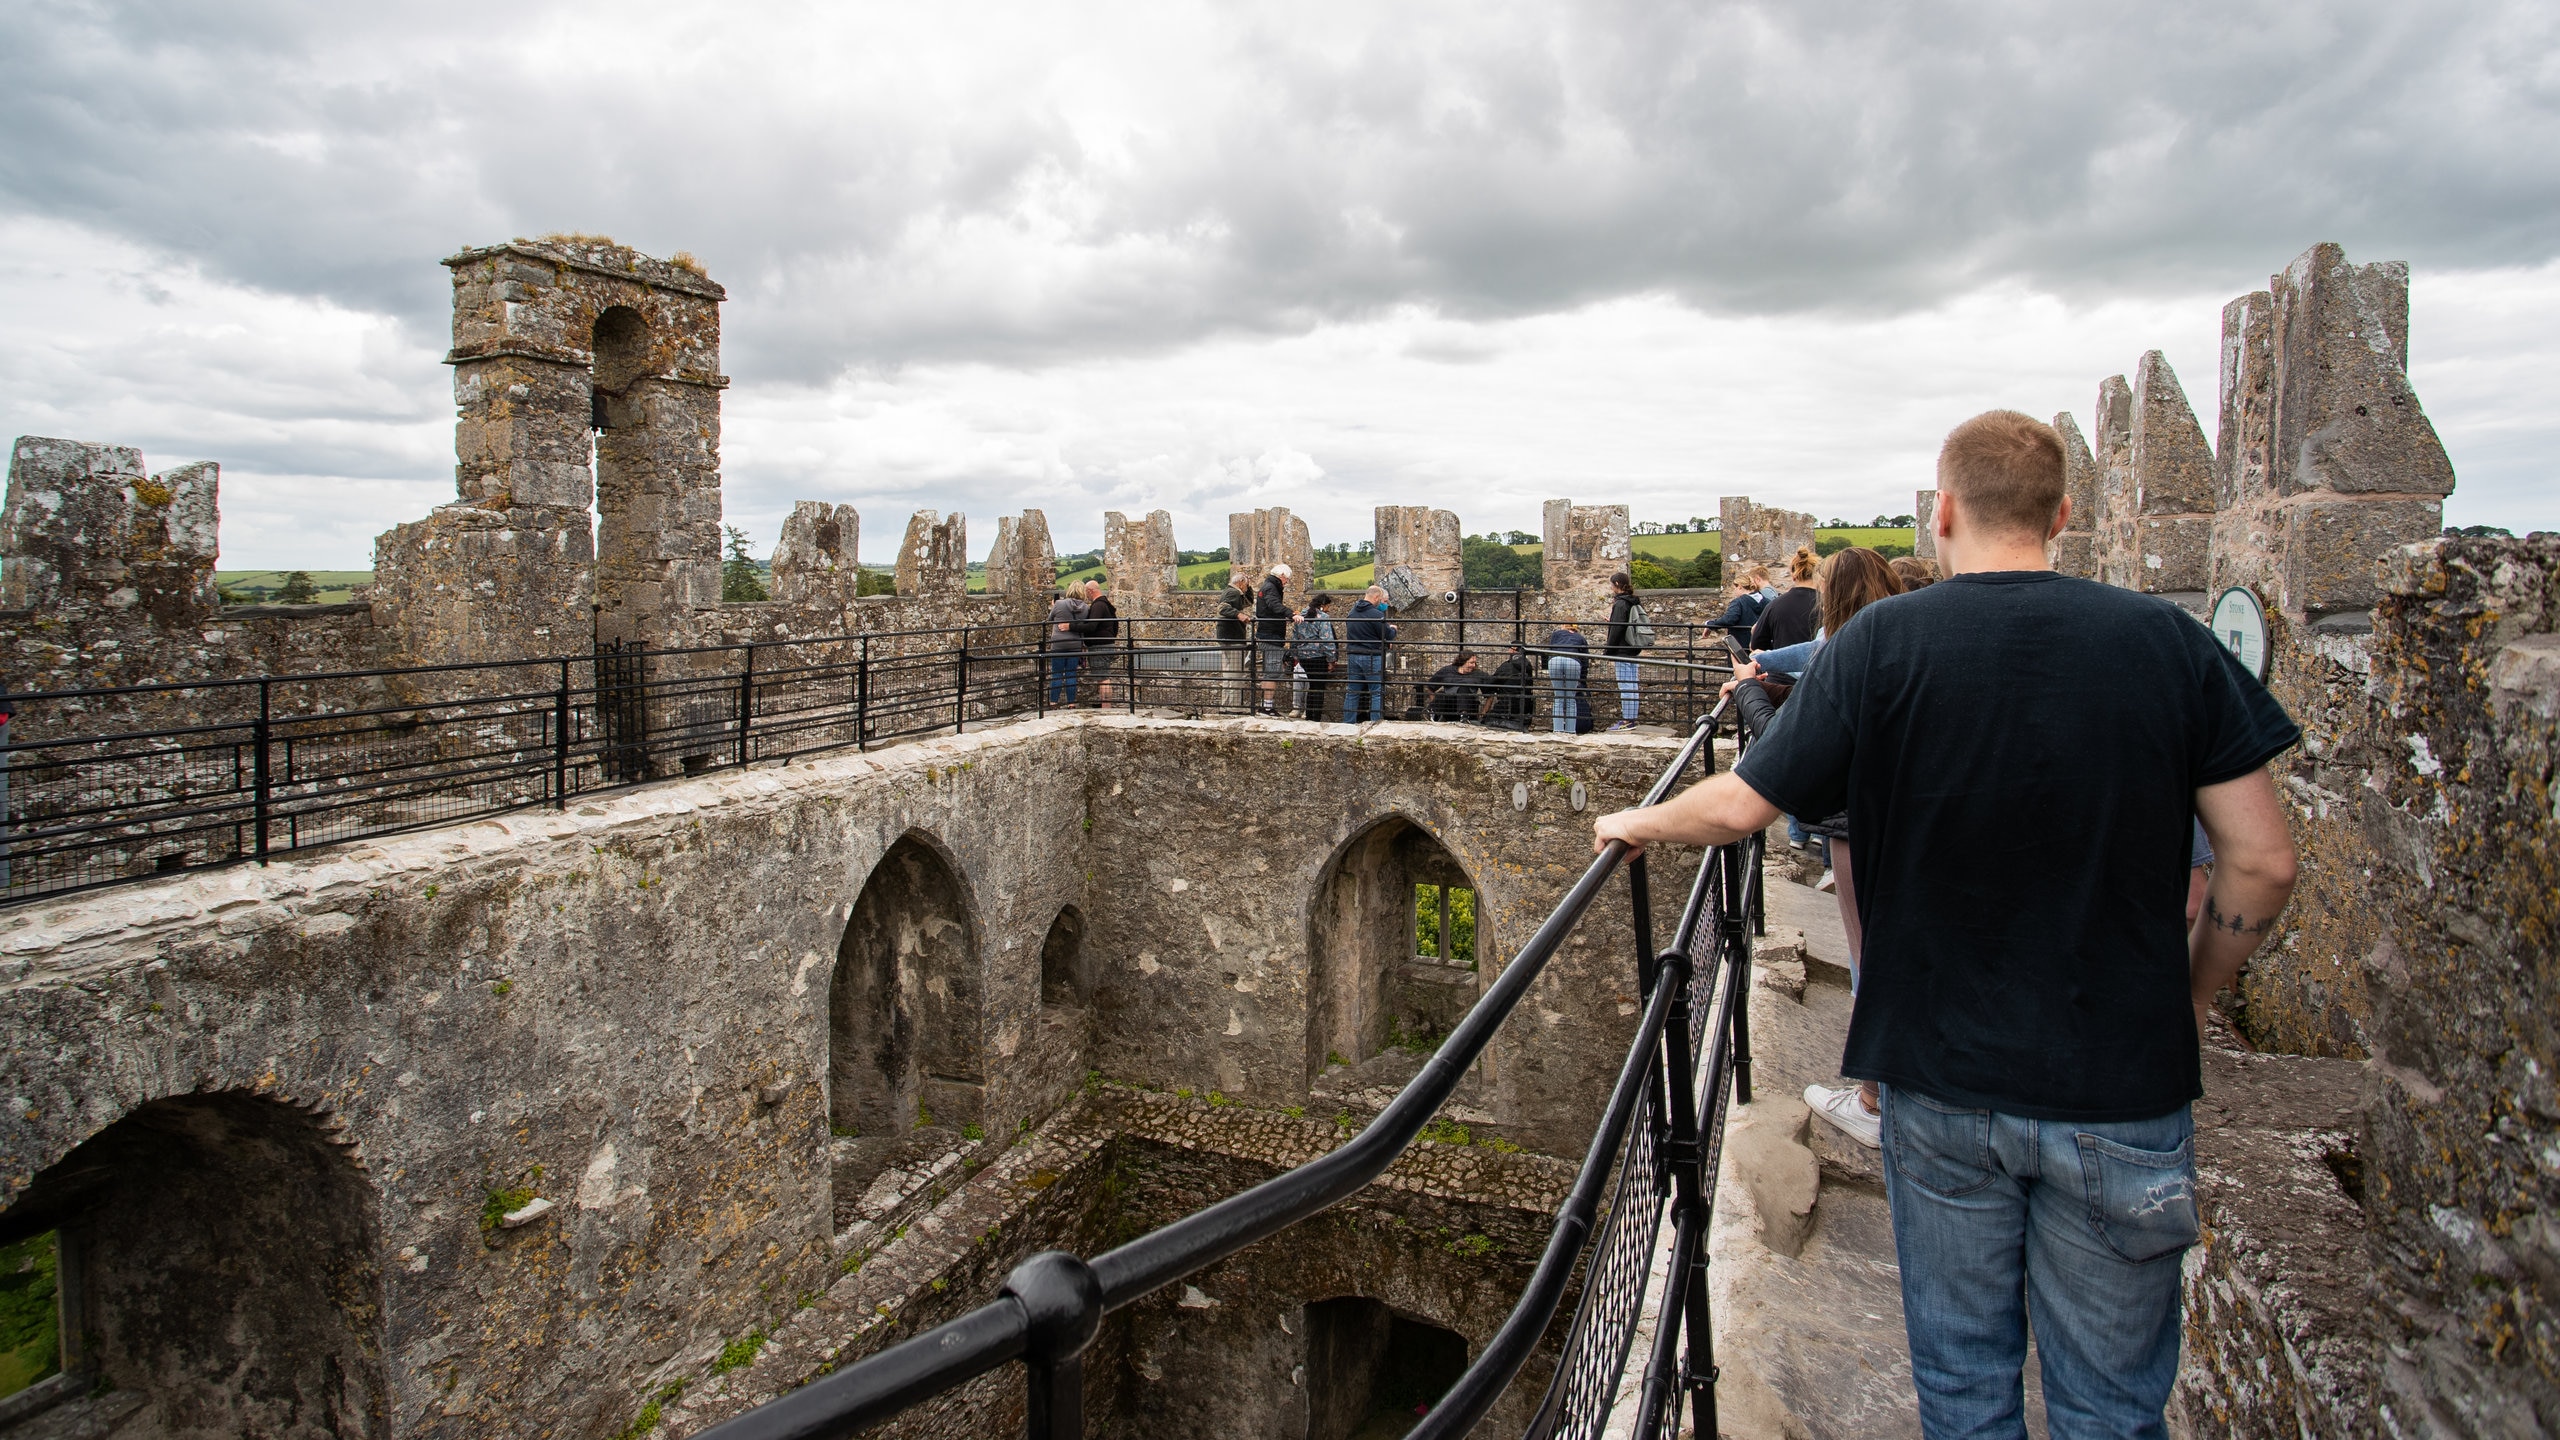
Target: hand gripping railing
[1052, 1305]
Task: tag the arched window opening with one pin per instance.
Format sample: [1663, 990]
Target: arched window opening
[1063, 980]
[1373, 1371]
[903, 1070]
[1395, 935]
[621, 350]
[210, 1264]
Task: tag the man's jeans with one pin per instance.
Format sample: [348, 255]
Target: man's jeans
[1365, 692]
[2080, 1225]
[1564, 678]
[1063, 666]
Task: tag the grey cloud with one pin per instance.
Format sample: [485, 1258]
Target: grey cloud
[1483, 162]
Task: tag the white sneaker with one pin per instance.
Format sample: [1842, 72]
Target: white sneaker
[1826, 882]
[1842, 1109]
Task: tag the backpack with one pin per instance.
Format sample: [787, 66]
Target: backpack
[1639, 629]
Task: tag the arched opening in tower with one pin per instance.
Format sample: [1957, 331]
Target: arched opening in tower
[1392, 949]
[627, 513]
[904, 1067]
[1372, 1371]
[1064, 980]
[214, 1274]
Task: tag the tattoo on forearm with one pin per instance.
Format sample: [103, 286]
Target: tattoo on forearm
[2236, 924]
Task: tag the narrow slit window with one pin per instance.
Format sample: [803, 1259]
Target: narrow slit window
[1444, 924]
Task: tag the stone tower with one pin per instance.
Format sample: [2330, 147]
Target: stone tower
[587, 459]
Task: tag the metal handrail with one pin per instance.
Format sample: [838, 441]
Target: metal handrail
[1052, 1304]
[107, 786]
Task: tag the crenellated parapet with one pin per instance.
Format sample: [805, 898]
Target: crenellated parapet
[933, 563]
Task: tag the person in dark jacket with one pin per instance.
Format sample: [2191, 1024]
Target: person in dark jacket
[1365, 636]
[1101, 639]
[1455, 692]
[1620, 645]
[1792, 618]
[1567, 653]
[1513, 705]
[1271, 635]
[1752, 593]
[1235, 639]
[1313, 640]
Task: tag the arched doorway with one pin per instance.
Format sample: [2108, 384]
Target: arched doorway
[216, 1261]
[904, 1007]
[1373, 1371]
[1392, 947]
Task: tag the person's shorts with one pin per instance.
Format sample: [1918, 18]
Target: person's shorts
[1274, 655]
[1105, 656]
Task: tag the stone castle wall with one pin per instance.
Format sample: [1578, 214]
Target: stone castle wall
[672, 949]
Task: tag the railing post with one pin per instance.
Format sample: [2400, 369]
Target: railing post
[1640, 903]
[1062, 1301]
[259, 771]
[746, 706]
[862, 698]
[960, 702]
[1738, 933]
[560, 741]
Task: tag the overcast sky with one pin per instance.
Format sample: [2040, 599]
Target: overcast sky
[1474, 254]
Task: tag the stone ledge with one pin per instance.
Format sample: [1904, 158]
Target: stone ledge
[2278, 1322]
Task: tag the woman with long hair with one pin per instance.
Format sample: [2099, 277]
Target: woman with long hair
[1850, 581]
[1792, 617]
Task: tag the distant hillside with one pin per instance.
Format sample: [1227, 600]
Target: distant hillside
[258, 587]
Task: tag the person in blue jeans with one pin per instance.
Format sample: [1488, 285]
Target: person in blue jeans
[2031, 998]
[1066, 647]
[1365, 635]
[1568, 653]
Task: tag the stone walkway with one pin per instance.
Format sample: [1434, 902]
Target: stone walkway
[1811, 1345]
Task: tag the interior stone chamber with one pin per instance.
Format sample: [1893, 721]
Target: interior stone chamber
[644, 1110]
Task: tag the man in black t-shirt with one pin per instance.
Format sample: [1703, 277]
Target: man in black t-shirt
[2024, 754]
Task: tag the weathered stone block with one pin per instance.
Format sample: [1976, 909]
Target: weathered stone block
[2075, 550]
[87, 534]
[2248, 397]
[1260, 539]
[2172, 466]
[2344, 415]
[1023, 564]
[1423, 540]
[934, 560]
[2075, 553]
[1762, 535]
[2119, 561]
[1924, 510]
[1585, 545]
[1140, 563]
[2171, 551]
[2332, 546]
[816, 559]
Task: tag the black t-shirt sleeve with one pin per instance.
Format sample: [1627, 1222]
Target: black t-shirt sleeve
[1801, 765]
[2243, 726]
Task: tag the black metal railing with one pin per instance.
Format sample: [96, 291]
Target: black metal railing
[99, 787]
[1656, 1146]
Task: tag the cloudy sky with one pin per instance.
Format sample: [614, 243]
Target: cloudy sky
[1200, 258]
